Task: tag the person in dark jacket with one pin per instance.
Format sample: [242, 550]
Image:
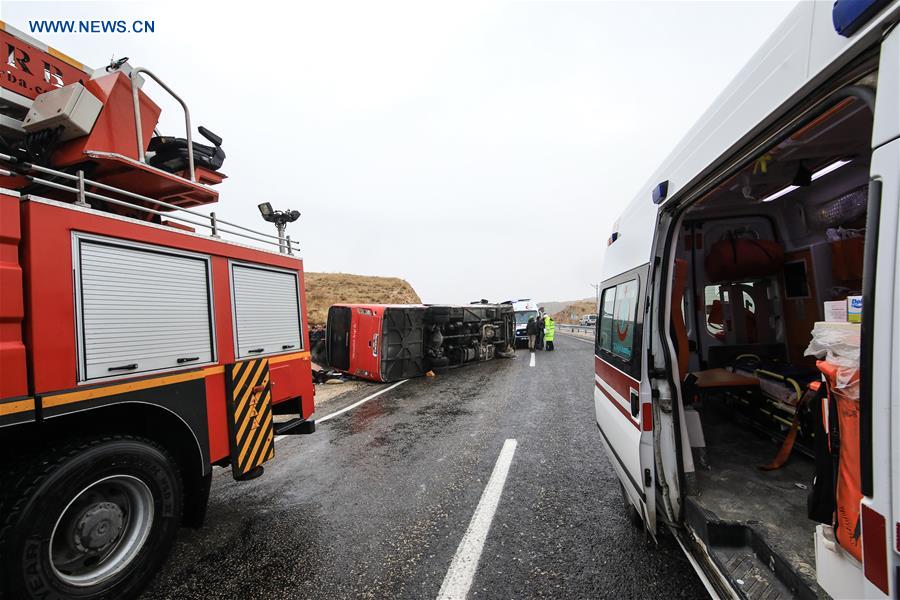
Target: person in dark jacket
[531, 330]
[539, 321]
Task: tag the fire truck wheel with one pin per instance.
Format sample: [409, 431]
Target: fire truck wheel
[634, 517]
[92, 519]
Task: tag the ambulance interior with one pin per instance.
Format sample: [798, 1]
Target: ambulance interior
[756, 260]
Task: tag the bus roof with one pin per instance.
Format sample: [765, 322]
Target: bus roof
[801, 53]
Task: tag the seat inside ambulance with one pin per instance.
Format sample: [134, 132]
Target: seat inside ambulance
[756, 260]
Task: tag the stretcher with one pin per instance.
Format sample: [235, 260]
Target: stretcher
[782, 384]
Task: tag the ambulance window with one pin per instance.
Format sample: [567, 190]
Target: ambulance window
[717, 306]
[624, 319]
[686, 316]
[749, 303]
[604, 329]
[715, 310]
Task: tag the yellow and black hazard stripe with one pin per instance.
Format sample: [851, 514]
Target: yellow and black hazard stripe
[14, 411]
[250, 422]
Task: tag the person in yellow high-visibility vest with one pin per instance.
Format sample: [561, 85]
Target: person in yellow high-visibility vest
[549, 330]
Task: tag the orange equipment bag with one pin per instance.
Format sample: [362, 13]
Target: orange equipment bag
[742, 259]
[847, 526]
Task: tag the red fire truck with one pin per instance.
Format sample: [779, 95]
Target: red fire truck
[388, 342]
[138, 347]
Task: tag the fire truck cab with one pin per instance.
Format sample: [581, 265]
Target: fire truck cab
[138, 346]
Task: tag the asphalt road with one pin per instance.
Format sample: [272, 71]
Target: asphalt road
[376, 502]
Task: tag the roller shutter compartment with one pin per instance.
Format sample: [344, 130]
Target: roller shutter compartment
[266, 310]
[141, 309]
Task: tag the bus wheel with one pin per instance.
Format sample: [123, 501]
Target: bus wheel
[92, 519]
[634, 517]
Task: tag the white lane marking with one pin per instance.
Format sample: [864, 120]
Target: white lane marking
[531, 364]
[354, 405]
[465, 562]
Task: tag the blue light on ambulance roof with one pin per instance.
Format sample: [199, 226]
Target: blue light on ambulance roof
[660, 192]
[849, 16]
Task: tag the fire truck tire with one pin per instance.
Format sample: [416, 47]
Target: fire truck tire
[89, 519]
[634, 517]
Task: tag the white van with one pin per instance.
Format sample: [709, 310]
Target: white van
[784, 197]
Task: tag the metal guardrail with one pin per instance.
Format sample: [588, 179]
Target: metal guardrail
[582, 329]
[210, 221]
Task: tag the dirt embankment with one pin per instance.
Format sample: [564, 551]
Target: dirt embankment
[578, 309]
[325, 289]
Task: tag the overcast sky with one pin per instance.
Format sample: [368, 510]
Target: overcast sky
[476, 149]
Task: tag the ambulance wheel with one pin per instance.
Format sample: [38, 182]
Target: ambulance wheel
[634, 517]
[92, 519]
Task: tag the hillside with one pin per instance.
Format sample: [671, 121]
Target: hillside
[577, 308]
[558, 306]
[325, 289]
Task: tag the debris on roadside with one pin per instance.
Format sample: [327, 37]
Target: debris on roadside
[329, 376]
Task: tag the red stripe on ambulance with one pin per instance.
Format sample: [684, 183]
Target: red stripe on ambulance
[618, 405]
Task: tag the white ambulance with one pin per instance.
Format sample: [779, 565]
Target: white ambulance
[740, 404]
[524, 309]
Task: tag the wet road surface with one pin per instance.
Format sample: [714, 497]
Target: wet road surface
[376, 502]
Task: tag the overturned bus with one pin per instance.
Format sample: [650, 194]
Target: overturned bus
[389, 342]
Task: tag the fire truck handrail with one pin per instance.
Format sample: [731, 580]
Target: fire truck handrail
[145, 198]
[211, 221]
[137, 117]
[96, 196]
